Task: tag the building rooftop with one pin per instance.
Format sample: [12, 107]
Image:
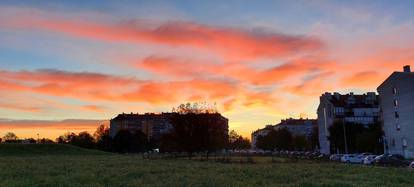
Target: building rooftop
[132, 116]
[289, 121]
[398, 75]
[367, 100]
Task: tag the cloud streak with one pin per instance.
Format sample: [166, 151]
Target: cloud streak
[233, 44]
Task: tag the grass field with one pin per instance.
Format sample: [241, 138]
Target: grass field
[63, 165]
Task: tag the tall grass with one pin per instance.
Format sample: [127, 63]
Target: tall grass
[131, 170]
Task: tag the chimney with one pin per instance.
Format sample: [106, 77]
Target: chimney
[407, 69]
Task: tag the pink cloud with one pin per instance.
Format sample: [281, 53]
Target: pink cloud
[230, 43]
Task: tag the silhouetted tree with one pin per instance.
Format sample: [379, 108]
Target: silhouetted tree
[236, 141]
[196, 129]
[370, 139]
[275, 139]
[125, 141]
[46, 141]
[83, 139]
[168, 143]
[10, 137]
[195, 108]
[299, 142]
[314, 139]
[358, 137]
[102, 138]
[66, 138]
[1, 140]
[198, 132]
[31, 140]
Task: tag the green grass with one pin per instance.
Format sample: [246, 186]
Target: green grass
[97, 169]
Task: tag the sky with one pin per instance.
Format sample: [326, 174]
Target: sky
[73, 65]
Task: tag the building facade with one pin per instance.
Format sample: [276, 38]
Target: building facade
[349, 108]
[155, 125]
[303, 127]
[151, 124]
[397, 108]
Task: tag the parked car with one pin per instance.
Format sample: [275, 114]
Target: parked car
[391, 160]
[336, 157]
[352, 158]
[411, 166]
[369, 159]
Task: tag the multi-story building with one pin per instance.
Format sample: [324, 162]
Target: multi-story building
[355, 109]
[151, 124]
[155, 125]
[295, 126]
[260, 132]
[397, 108]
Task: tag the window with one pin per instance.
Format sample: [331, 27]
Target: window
[395, 103]
[397, 115]
[394, 91]
[398, 126]
[404, 142]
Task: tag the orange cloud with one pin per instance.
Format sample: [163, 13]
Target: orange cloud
[178, 67]
[92, 86]
[93, 108]
[363, 79]
[312, 86]
[19, 107]
[229, 43]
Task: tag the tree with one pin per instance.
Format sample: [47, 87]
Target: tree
[237, 141]
[10, 137]
[31, 140]
[1, 140]
[370, 139]
[46, 141]
[197, 132]
[359, 137]
[196, 108]
[314, 139]
[275, 139]
[102, 138]
[125, 141]
[83, 139]
[300, 142]
[66, 138]
[197, 128]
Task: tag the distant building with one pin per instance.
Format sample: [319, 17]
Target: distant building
[151, 124]
[295, 126]
[349, 108]
[397, 108]
[154, 125]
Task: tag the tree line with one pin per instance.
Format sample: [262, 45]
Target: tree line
[11, 137]
[283, 139]
[195, 128]
[359, 138]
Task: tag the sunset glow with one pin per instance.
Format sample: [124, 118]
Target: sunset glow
[70, 67]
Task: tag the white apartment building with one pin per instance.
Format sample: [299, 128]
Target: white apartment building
[397, 108]
[356, 109]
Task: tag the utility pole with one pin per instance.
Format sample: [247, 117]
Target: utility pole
[346, 144]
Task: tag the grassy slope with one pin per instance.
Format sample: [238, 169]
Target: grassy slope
[44, 149]
[132, 170]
